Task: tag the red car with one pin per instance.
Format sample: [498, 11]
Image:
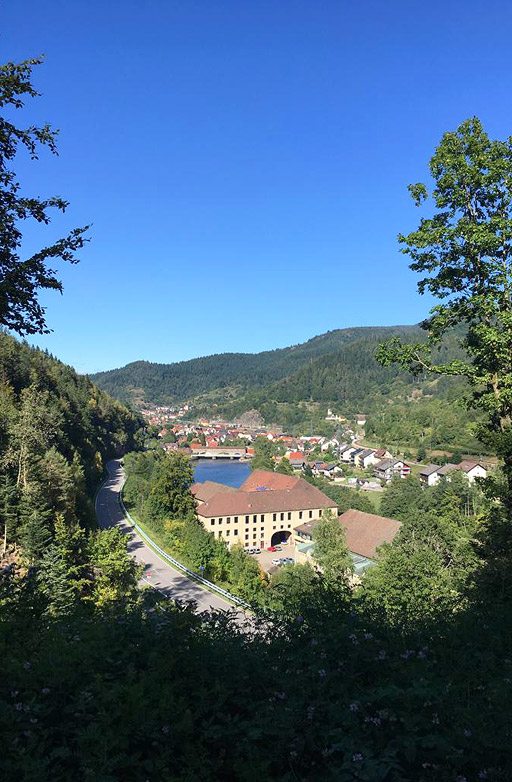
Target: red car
[271, 548]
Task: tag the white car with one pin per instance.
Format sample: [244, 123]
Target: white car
[276, 561]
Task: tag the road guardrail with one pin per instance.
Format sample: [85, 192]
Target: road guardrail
[189, 573]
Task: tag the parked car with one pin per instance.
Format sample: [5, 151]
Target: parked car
[287, 560]
[271, 548]
[276, 561]
[277, 548]
[256, 551]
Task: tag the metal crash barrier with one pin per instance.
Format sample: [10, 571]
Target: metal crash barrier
[189, 573]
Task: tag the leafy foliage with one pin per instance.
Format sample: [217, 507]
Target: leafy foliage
[21, 280]
[464, 252]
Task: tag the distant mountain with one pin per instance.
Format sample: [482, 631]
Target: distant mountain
[344, 350]
[293, 387]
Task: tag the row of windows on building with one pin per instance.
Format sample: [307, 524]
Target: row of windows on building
[262, 518]
[262, 531]
[226, 534]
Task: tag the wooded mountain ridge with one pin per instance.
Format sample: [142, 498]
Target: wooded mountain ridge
[180, 381]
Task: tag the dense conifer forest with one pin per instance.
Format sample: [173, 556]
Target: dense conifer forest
[168, 383]
[57, 429]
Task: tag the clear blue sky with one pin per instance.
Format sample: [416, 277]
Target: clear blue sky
[244, 163]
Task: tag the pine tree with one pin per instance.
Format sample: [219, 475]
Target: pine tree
[35, 536]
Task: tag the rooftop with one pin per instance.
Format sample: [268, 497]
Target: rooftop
[429, 469]
[302, 496]
[266, 480]
[208, 489]
[367, 531]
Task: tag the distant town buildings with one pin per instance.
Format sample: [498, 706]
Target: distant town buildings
[432, 473]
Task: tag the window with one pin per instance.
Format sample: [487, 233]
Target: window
[235, 532]
[281, 516]
[274, 517]
[289, 526]
[310, 514]
[262, 529]
[247, 537]
[236, 519]
[254, 519]
[254, 536]
[289, 516]
[300, 514]
[220, 520]
[247, 519]
[320, 512]
[227, 533]
[228, 520]
[274, 527]
[262, 518]
[212, 522]
[220, 533]
[282, 526]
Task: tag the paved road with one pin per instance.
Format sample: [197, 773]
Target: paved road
[162, 576]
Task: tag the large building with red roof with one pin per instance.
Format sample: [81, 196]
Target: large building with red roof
[263, 511]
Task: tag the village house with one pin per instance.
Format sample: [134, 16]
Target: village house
[432, 473]
[388, 468]
[333, 443]
[346, 453]
[383, 453]
[263, 511]
[364, 532]
[365, 458]
[429, 475]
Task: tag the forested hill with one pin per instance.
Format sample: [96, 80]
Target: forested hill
[164, 383]
[57, 429]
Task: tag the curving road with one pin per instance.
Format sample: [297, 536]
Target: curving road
[157, 572]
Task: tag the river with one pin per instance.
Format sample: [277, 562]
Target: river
[231, 473]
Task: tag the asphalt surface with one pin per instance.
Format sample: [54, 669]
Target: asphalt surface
[157, 571]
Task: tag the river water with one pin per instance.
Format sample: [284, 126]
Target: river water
[231, 473]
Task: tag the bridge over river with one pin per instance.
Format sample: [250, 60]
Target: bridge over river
[218, 453]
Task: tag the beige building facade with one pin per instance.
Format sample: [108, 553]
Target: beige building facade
[263, 512]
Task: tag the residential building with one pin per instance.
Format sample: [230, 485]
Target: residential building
[366, 458]
[383, 453]
[364, 532]
[263, 511]
[432, 473]
[388, 468]
[429, 475]
[346, 452]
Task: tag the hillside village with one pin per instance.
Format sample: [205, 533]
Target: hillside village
[340, 458]
[275, 511]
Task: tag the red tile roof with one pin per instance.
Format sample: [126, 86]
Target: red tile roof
[467, 466]
[367, 531]
[205, 491]
[270, 480]
[301, 497]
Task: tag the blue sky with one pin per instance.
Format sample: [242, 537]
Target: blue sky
[244, 163]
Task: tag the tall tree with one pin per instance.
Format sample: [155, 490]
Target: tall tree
[464, 252]
[263, 450]
[22, 279]
[170, 495]
[331, 552]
